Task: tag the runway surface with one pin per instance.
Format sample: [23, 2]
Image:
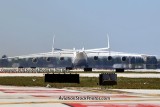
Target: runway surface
[129, 75]
[11, 96]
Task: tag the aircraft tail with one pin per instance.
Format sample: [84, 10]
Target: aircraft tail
[101, 49]
[57, 49]
[88, 50]
[108, 42]
[53, 43]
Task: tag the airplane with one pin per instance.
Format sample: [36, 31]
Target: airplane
[86, 59]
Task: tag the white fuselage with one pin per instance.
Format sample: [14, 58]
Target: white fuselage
[80, 59]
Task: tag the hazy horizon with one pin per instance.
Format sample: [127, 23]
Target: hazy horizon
[28, 26]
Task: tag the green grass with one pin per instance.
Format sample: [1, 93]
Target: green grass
[138, 83]
[123, 83]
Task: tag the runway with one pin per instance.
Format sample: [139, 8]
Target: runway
[128, 75]
[11, 96]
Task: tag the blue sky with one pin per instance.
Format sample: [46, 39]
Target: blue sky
[27, 26]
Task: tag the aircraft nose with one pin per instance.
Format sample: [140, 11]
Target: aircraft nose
[80, 60]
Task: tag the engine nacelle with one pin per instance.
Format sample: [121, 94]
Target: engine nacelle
[124, 59]
[48, 59]
[61, 58]
[109, 58]
[95, 57]
[34, 60]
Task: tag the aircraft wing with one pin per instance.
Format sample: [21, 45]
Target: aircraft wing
[112, 53]
[47, 54]
[54, 59]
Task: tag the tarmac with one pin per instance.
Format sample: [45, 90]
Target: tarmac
[12, 96]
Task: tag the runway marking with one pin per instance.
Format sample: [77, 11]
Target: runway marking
[99, 103]
[43, 96]
[111, 105]
[27, 95]
[37, 91]
[61, 92]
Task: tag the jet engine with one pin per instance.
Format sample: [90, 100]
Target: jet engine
[34, 60]
[61, 58]
[95, 57]
[48, 59]
[123, 58]
[109, 58]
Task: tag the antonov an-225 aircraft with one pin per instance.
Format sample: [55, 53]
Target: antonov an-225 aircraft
[87, 59]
